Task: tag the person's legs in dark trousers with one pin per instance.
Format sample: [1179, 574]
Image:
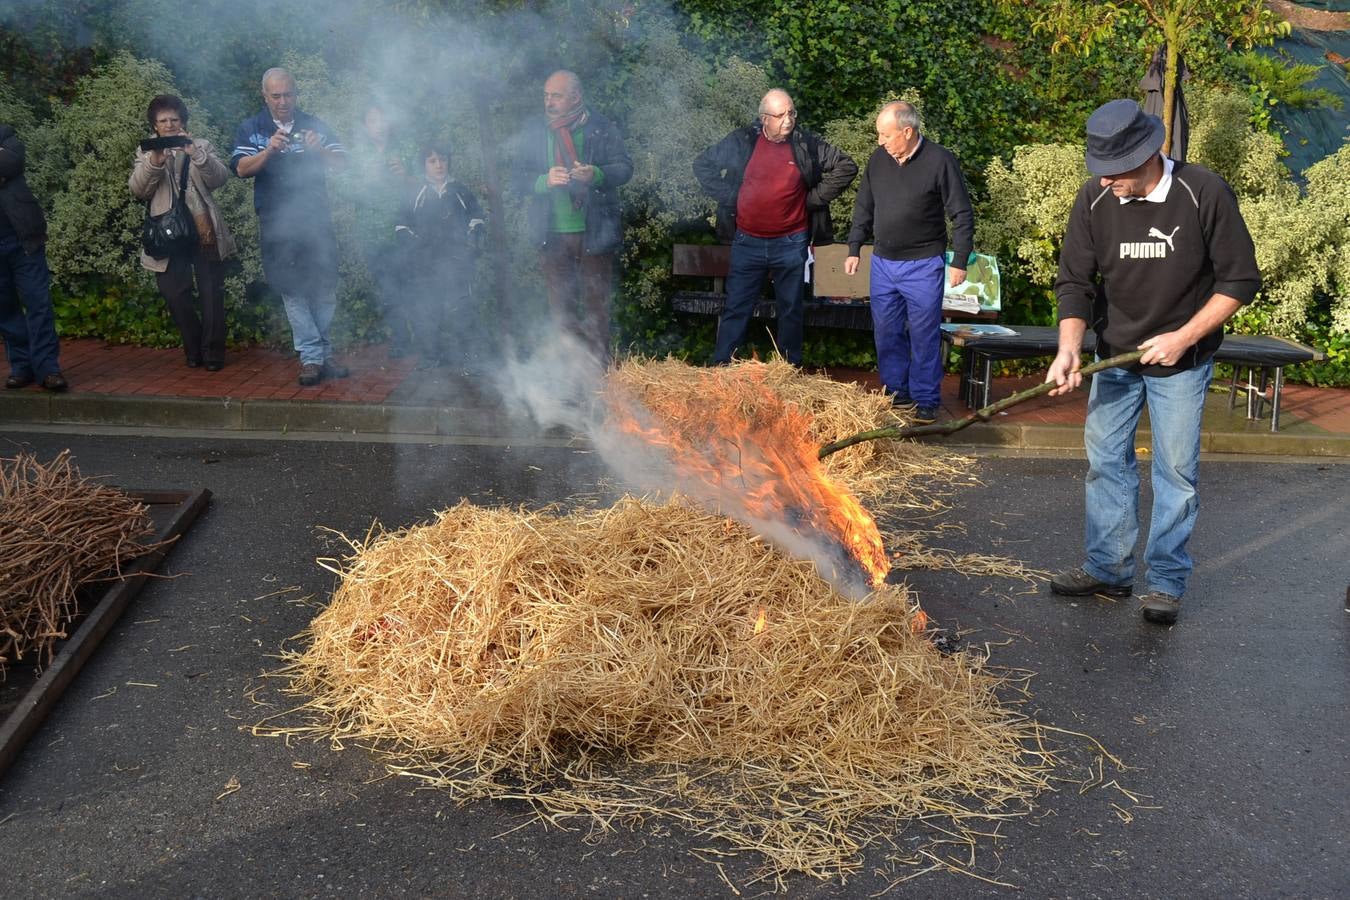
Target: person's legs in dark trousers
[745, 282]
[211, 291]
[457, 322]
[597, 286]
[27, 320]
[175, 286]
[561, 265]
[787, 262]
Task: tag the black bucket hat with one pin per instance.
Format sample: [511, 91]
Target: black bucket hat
[1121, 137]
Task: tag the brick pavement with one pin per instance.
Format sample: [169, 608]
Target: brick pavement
[95, 367]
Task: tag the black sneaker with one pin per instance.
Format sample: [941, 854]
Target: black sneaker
[310, 374]
[1078, 583]
[1160, 608]
[900, 401]
[925, 415]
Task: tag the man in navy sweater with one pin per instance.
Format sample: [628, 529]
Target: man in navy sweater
[908, 190]
[1157, 258]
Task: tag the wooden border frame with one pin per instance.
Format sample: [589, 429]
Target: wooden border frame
[33, 707]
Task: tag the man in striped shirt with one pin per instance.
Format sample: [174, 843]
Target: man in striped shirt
[288, 154]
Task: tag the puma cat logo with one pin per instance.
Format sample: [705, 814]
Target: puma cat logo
[1155, 233]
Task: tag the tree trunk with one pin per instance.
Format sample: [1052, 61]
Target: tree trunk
[1172, 36]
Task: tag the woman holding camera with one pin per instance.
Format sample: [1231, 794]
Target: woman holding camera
[156, 177]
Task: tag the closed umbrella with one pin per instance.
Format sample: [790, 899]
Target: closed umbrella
[1152, 86]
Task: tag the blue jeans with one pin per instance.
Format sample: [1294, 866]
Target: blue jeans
[27, 322]
[1174, 408]
[783, 258]
[310, 318]
[906, 302]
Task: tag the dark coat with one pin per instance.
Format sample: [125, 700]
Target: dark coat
[826, 169]
[601, 146]
[16, 200]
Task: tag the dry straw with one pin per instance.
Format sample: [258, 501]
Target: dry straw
[657, 660]
[608, 665]
[58, 531]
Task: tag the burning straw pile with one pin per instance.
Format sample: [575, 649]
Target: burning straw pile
[58, 531]
[885, 474]
[660, 660]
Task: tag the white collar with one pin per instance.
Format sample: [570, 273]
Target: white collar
[284, 127]
[1159, 192]
[910, 155]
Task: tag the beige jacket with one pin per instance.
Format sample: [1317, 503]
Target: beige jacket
[159, 184]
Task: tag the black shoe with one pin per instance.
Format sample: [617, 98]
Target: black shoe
[14, 382]
[194, 363]
[900, 401]
[925, 415]
[1078, 583]
[333, 370]
[55, 382]
[310, 374]
[1160, 608]
[214, 366]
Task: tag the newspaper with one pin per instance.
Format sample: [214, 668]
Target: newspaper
[980, 292]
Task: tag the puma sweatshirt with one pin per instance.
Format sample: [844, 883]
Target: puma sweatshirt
[1137, 269]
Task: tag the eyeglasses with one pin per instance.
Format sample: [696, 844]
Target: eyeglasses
[790, 114]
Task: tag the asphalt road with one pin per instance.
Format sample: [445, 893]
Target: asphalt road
[1235, 722]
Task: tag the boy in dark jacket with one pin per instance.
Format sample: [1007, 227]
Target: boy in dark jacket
[439, 229]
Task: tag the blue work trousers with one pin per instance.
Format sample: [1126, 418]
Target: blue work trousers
[906, 301]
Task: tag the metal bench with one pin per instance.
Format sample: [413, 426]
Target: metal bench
[837, 303]
[1262, 356]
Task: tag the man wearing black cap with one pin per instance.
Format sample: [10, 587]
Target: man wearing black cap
[1156, 258]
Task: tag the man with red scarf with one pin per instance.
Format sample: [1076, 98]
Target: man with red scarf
[573, 171]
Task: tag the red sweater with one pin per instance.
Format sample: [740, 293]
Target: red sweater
[772, 199]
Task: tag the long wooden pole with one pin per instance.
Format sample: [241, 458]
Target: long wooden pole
[980, 415]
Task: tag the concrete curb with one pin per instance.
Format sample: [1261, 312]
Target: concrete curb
[319, 418]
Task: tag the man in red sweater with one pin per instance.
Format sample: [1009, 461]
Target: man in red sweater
[773, 183]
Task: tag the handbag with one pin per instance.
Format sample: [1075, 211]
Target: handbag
[170, 233]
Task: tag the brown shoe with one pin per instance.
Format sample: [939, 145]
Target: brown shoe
[55, 382]
[1160, 608]
[310, 374]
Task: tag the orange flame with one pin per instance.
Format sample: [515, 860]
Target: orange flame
[761, 621]
[736, 442]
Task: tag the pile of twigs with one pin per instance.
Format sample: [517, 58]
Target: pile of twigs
[58, 531]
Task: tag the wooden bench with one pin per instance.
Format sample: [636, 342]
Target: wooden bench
[1262, 357]
[834, 301]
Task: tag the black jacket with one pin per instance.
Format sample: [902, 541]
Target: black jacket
[16, 201]
[601, 146]
[826, 170]
[438, 224]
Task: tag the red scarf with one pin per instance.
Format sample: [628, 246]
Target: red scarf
[564, 150]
